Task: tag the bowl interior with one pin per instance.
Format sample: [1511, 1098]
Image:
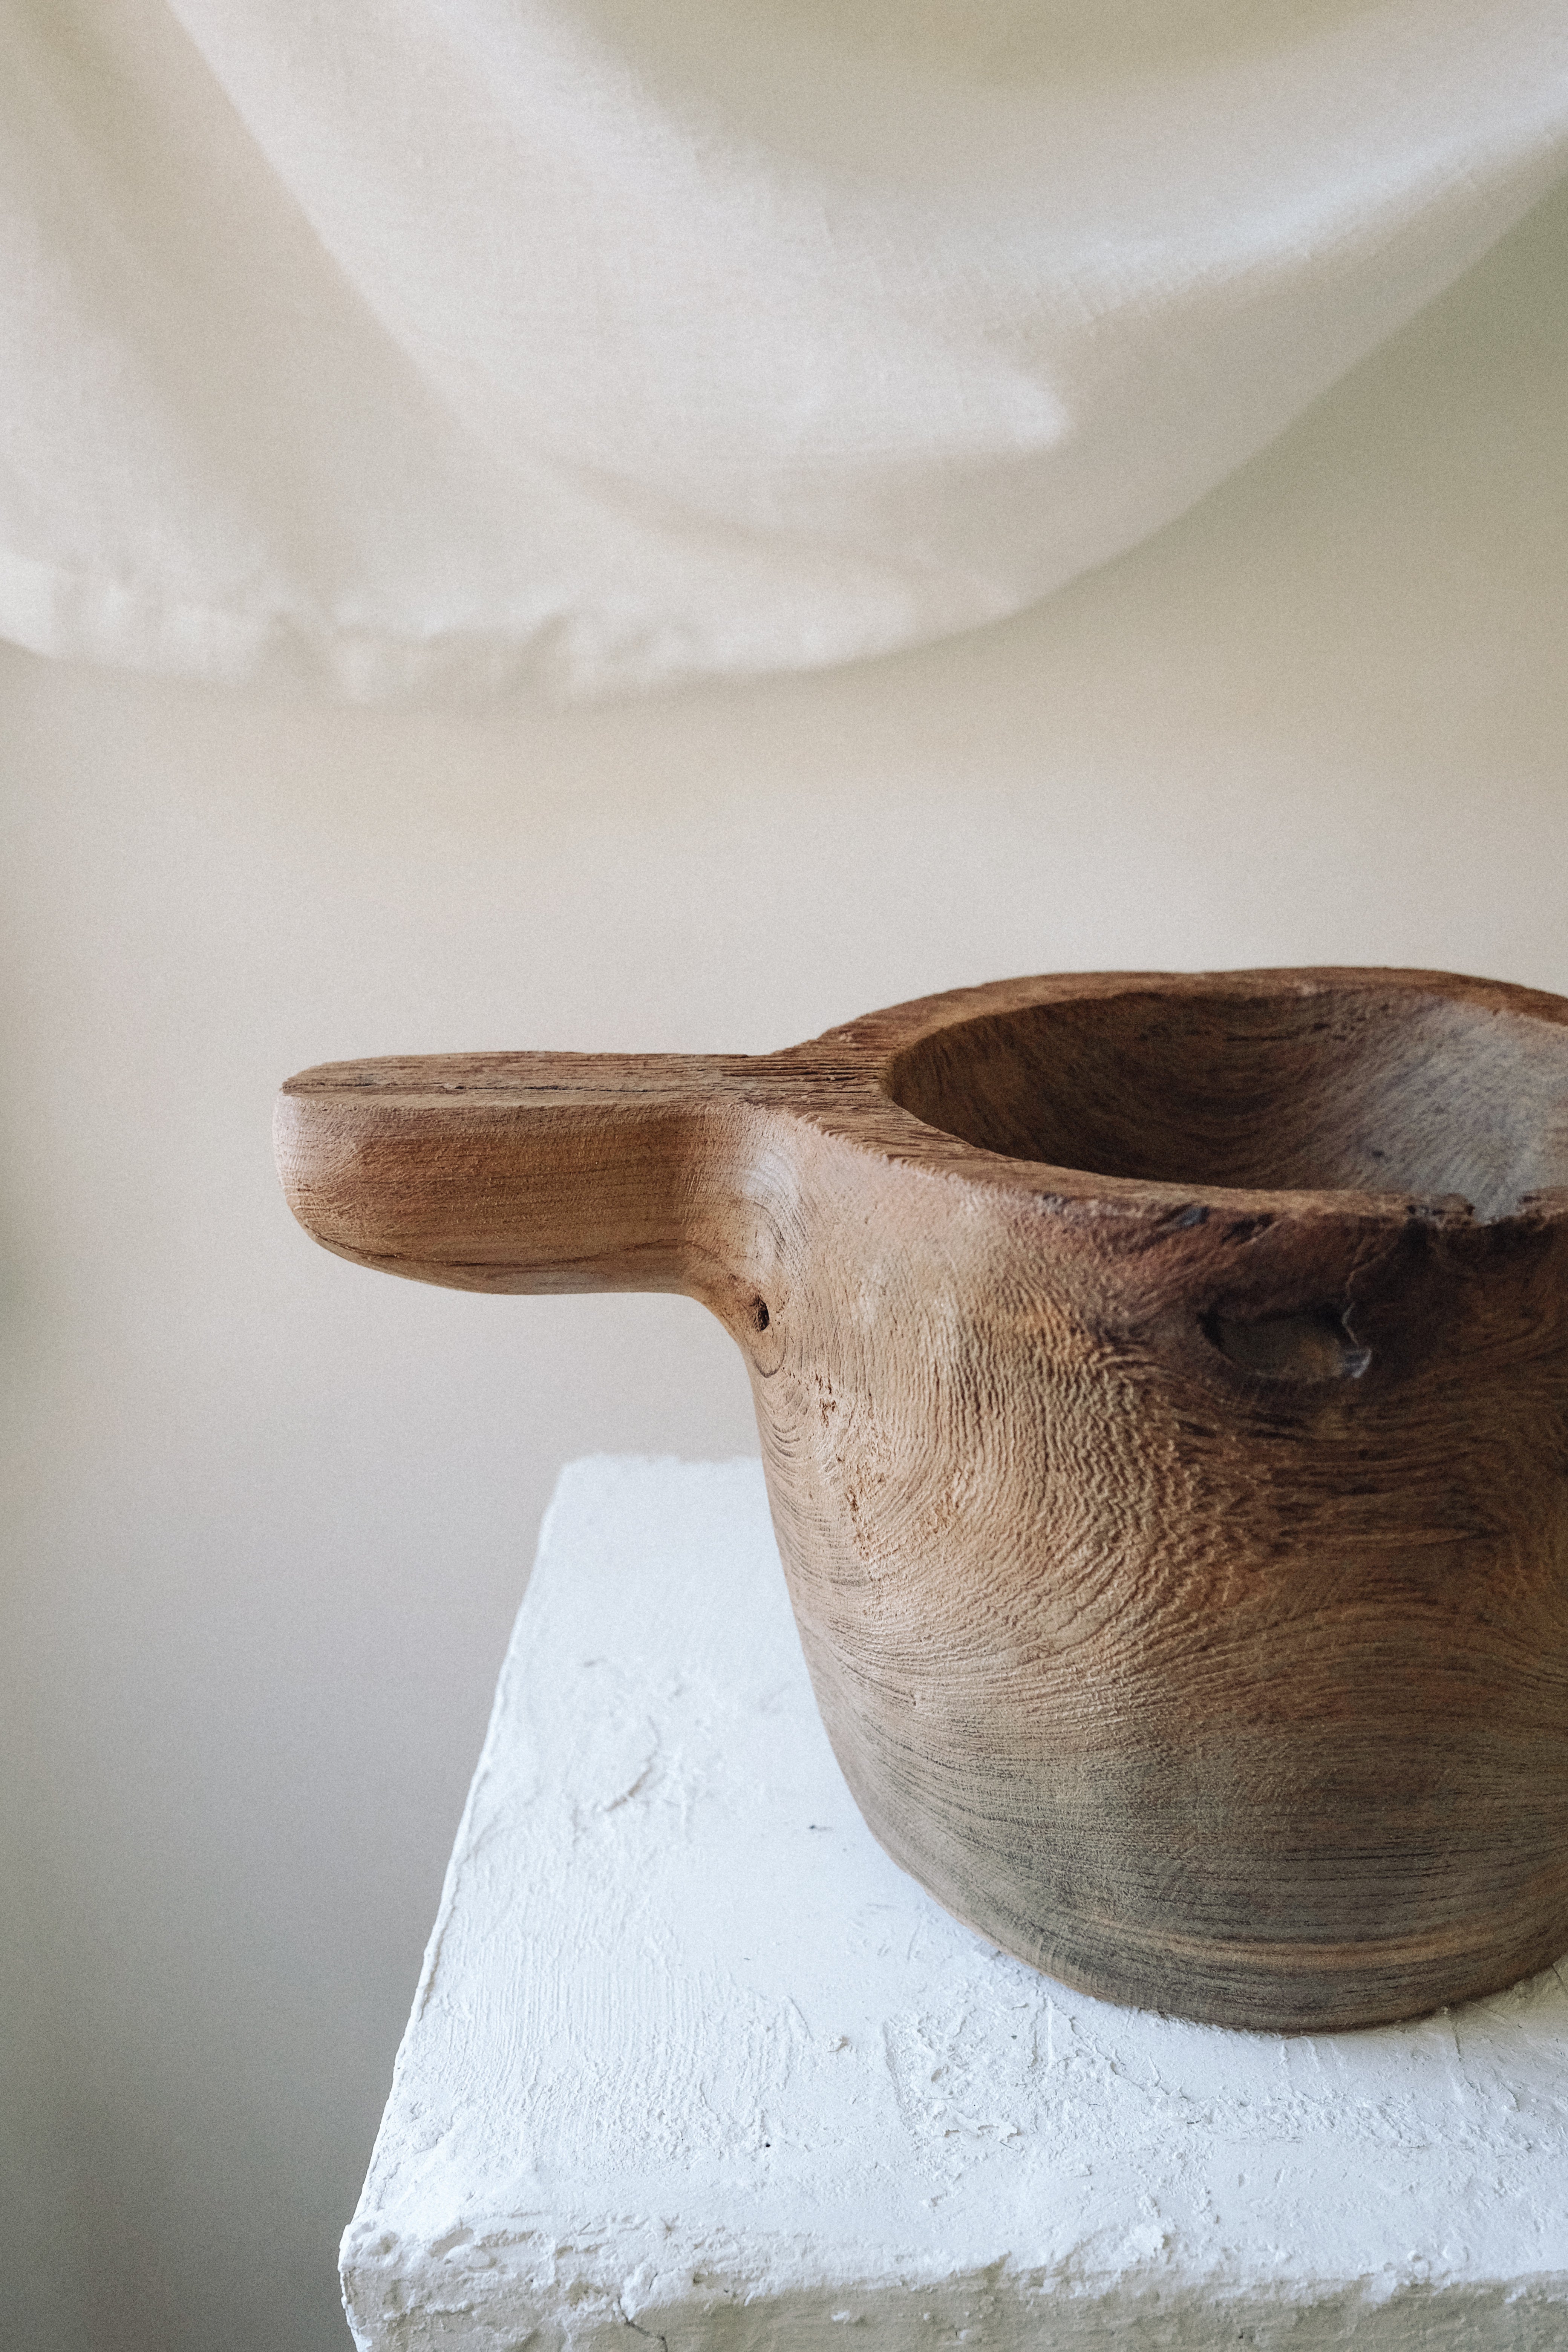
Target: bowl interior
[1362, 1089]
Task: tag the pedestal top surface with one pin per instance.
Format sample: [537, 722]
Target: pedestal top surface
[691, 2056]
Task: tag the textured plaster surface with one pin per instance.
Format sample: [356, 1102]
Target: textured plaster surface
[692, 2060]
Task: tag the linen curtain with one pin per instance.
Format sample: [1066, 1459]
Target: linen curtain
[400, 347]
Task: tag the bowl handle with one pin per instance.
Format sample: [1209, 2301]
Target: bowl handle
[519, 1172]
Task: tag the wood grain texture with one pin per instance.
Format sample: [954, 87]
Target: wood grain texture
[1162, 1382]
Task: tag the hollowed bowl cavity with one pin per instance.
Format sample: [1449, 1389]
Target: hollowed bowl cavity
[1324, 1090]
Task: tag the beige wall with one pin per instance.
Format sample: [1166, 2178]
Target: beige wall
[267, 1517]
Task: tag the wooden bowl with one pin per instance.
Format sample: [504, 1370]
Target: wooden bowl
[1162, 1382]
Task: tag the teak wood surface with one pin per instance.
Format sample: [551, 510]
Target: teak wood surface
[1162, 1383]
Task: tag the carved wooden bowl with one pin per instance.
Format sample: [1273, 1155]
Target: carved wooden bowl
[1162, 1383]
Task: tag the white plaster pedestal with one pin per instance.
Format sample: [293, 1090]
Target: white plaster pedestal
[691, 2058]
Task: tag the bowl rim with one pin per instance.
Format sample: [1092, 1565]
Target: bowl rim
[854, 1066]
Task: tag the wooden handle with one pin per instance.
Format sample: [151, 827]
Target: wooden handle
[521, 1172]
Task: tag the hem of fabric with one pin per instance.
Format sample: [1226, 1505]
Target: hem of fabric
[563, 656]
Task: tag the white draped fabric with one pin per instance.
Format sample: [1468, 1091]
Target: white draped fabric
[412, 346]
